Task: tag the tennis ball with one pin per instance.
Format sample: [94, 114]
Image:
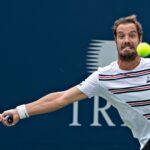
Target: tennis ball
[143, 49]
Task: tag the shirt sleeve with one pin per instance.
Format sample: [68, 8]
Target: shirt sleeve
[91, 86]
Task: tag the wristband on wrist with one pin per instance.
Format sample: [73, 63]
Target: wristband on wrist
[22, 111]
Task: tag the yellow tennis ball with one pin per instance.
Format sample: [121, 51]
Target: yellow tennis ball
[143, 49]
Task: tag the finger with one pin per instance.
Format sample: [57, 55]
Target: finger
[13, 117]
[5, 122]
[9, 119]
[1, 118]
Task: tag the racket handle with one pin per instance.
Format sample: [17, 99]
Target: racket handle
[9, 119]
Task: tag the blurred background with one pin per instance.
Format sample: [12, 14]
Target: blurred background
[43, 48]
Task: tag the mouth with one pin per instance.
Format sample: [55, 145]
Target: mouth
[128, 48]
[128, 52]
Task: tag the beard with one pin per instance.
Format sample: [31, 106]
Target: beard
[128, 56]
[128, 53]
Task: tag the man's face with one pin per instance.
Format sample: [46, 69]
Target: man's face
[127, 40]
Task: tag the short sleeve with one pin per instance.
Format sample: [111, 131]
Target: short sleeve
[91, 86]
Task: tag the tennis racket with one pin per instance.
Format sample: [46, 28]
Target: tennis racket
[9, 119]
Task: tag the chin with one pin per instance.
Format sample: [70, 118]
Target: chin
[128, 56]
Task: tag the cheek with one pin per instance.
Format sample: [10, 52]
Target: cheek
[136, 43]
[118, 44]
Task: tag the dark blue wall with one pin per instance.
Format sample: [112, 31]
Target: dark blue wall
[43, 45]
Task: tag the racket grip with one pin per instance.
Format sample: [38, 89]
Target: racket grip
[9, 119]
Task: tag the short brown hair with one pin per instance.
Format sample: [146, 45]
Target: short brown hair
[128, 19]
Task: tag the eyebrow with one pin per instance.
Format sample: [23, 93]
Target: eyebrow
[120, 32]
[133, 31]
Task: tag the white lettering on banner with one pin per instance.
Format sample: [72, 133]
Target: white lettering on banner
[75, 115]
[96, 113]
[103, 111]
[100, 54]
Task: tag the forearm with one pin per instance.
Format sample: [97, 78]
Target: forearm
[48, 103]
[54, 101]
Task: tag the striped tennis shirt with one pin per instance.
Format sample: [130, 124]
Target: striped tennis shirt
[127, 91]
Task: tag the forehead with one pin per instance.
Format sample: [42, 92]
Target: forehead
[126, 28]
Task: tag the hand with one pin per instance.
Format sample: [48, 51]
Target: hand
[1, 118]
[11, 112]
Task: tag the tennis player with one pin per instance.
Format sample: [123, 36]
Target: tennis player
[125, 83]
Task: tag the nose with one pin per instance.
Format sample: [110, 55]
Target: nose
[126, 39]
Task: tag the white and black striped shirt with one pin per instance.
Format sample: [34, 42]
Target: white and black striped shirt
[128, 91]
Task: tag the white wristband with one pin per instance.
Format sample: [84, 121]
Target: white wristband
[22, 111]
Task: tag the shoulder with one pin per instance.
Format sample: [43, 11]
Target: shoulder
[108, 69]
[145, 62]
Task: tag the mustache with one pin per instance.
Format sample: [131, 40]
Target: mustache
[127, 45]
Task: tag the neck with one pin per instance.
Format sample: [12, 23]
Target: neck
[124, 65]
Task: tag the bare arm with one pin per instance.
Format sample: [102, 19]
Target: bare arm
[54, 101]
[48, 103]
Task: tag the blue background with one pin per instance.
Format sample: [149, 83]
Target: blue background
[43, 45]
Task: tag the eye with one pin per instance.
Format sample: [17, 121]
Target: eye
[121, 36]
[133, 34]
